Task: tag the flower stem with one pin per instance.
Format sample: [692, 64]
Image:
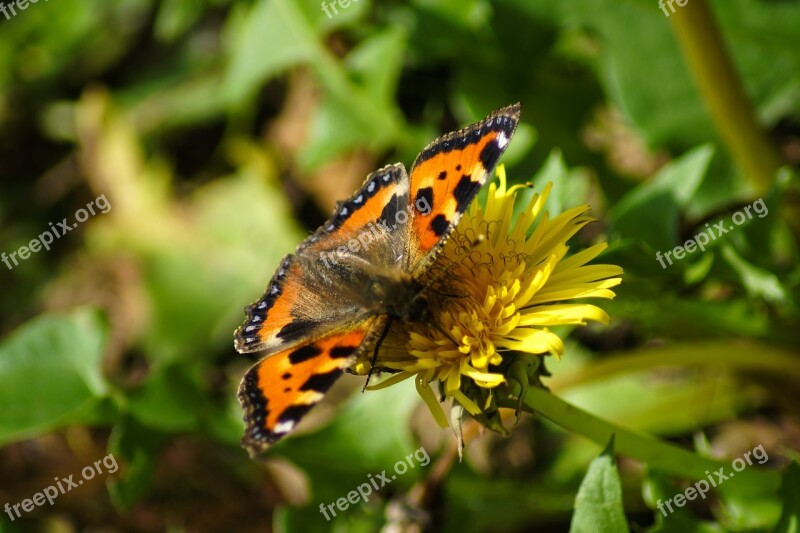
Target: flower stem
[724, 96]
[733, 355]
[656, 454]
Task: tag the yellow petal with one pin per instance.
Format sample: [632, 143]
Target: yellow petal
[534, 341]
[424, 390]
[397, 378]
[466, 403]
[554, 315]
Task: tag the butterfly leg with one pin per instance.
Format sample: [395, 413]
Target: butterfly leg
[441, 330]
[375, 353]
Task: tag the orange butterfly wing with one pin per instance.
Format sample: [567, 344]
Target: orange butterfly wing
[313, 292]
[448, 174]
[279, 390]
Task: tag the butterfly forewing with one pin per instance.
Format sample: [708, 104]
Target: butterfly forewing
[448, 174]
[312, 292]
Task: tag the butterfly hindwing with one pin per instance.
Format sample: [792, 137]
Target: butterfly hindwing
[278, 391]
[448, 174]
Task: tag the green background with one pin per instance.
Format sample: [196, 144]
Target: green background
[223, 131]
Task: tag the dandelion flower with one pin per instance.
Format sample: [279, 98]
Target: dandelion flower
[500, 284]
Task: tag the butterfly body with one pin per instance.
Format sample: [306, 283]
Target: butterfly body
[332, 300]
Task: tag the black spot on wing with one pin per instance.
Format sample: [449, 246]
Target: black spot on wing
[321, 382]
[465, 191]
[296, 329]
[286, 375]
[294, 413]
[490, 155]
[388, 216]
[442, 175]
[343, 351]
[439, 225]
[424, 199]
[304, 354]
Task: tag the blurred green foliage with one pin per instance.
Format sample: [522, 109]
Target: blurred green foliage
[222, 132]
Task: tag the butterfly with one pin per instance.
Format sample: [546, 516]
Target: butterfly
[336, 296]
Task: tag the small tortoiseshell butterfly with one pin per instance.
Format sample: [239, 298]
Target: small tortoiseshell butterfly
[338, 294]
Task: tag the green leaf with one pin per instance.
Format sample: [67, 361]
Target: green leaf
[758, 282]
[51, 374]
[168, 401]
[275, 36]
[684, 318]
[669, 518]
[175, 17]
[651, 211]
[312, 520]
[278, 34]
[790, 494]
[358, 110]
[473, 14]
[697, 271]
[643, 71]
[139, 447]
[377, 63]
[738, 504]
[570, 187]
[598, 504]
